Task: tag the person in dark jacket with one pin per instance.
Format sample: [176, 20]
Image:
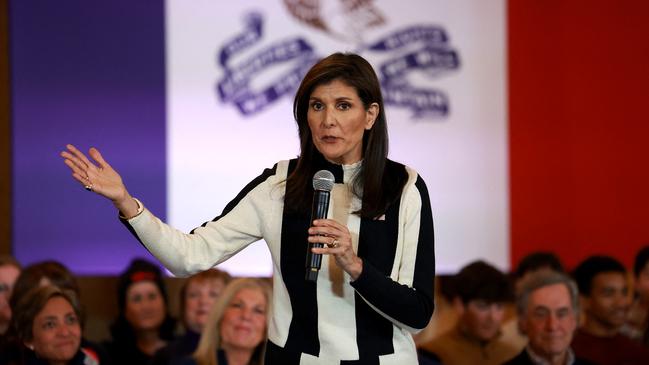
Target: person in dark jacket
[143, 325]
[548, 306]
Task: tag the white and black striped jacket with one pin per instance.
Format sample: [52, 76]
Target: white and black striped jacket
[368, 321]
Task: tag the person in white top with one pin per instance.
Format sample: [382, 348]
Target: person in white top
[375, 286]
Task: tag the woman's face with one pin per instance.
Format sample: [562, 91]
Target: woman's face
[338, 119]
[145, 308]
[199, 298]
[56, 331]
[243, 325]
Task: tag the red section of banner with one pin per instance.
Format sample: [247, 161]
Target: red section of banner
[579, 128]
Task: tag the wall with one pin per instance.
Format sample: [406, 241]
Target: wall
[578, 76]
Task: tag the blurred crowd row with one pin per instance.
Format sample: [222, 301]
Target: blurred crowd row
[41, 321]
[540, 314]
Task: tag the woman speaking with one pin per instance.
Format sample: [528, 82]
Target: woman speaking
[375, 284]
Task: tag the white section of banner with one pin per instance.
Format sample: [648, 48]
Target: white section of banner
[442, 66]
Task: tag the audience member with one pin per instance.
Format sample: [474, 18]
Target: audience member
[40, 274]
[602, 282]
[530, 264]
[535, 262]
[9, 271]
[481, 292]
[143, 325]
[637, 323]
[548, 307]
[47, 323]
[197, 296]
[235, 333]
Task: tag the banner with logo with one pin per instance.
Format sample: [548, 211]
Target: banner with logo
[233, 68]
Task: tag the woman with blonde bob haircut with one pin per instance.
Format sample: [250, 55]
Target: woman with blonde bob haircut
[235, 333]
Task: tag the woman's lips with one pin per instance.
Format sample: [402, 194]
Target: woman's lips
[243, 328]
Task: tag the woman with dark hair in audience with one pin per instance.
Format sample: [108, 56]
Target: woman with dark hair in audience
[143, 325]
[40, 274]
[47, 322]
[197, 296]
[235, 332]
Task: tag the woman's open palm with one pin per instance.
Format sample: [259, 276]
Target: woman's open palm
[97, 176]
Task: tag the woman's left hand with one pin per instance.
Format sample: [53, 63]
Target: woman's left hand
[337, 241]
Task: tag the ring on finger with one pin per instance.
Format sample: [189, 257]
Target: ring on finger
[333, 243]
[88, 187]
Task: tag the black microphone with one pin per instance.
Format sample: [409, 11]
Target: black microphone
[323, 182]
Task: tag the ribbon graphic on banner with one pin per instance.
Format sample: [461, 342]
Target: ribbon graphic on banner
[235, 85]
[423, 49]
[432, 55]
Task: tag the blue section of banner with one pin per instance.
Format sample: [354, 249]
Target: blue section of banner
[90, 74]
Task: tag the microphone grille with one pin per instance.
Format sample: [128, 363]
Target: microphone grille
[323, 180]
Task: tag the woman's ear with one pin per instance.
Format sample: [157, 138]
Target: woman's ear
[372, 113]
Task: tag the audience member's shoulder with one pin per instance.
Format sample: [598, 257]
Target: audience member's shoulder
[186, 360]
[521, 359]
[428, 358]
[95, 351]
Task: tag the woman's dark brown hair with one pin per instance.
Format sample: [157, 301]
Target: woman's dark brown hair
[378, 190]
[31, 277]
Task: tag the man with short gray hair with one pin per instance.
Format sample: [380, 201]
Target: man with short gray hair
[548, 307]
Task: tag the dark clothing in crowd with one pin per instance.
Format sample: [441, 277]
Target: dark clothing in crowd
[14, 353]
[126, 353]
[220, 356]
[85, 356]
[524, 358]
[618, 350]
[177, 350]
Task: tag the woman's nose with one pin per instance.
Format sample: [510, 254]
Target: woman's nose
[64, 330]
[329, 118]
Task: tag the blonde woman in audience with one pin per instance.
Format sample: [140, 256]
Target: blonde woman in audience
[197, 297]
[236, 329]
[47, 323]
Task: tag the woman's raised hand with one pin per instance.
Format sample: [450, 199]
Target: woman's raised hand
[100, 177]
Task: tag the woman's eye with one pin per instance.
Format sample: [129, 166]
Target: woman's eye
[344, 106]
[71, 319]
[316, 105]
[49, 324]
